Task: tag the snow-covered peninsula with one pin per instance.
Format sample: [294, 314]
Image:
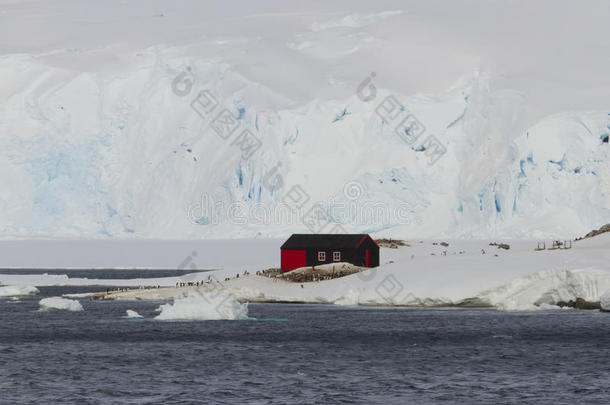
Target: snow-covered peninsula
[424, 273]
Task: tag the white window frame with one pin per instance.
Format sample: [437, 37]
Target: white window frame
[336, 256]
[321, 256]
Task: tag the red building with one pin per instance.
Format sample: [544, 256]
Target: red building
[305, 250]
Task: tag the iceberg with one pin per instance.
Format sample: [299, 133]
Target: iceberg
[18, 291]
[132, 314]
[214, 305]
[548, 307]
[59, 304]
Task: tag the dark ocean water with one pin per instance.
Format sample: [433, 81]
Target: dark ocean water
[300, 354]
[106, 273]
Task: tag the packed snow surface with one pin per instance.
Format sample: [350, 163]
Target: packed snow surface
[425, 273]
[214, 305]
[17, 290]
[351, 297]
[59, 304]
[605, 301]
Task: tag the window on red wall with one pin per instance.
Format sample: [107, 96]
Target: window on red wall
[321, 256]
[336, 256]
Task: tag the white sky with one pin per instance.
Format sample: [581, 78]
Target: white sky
[556, 53]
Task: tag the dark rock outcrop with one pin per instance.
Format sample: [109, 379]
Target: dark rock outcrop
[580, 303]
[603, 229]
[391, 243]
[504, 246]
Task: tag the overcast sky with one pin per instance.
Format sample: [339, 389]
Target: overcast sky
[555, 53]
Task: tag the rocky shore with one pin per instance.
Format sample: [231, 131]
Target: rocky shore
[579, 303]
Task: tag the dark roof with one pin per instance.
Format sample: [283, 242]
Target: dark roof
[325, 240]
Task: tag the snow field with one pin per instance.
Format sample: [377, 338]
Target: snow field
[422, 274]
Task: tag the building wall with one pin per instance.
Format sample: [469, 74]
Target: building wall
[354, 256]
[372, 246]
[293, 259]
[347, 255]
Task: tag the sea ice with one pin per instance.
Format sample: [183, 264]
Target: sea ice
[548, 307]
[214, 305]
[132, 314]
[17, 290]
[59, 304]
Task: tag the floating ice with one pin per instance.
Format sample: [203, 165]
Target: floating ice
[214, 305]
[17, 290]
[548, 307]
[132, 314]
[59, 304]
[605, 301]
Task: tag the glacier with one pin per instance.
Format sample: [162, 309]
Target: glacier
[93, 167]
[112, 140]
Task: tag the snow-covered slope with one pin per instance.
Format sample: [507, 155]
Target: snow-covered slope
[106, 133]
[424, 274]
